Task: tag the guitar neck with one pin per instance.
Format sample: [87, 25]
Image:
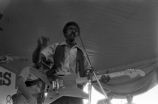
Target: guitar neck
[115, 74]
[111, 75]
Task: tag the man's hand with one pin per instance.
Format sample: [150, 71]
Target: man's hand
[105, 78]
[89, 73]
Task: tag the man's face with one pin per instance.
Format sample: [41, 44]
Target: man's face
[71, 33]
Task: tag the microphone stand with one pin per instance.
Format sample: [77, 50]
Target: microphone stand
[91, 71]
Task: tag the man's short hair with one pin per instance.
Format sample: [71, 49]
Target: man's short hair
[70, 24]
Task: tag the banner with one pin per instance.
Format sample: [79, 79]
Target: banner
[7, 85]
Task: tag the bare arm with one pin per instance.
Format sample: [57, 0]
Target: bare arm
[46, 56]
[22, 87]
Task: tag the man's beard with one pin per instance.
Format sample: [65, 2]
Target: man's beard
[70, 41]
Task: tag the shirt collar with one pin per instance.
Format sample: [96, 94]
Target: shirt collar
[64, 43]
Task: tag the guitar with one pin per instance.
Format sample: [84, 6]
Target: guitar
[67, 85]
[132, 73]
[64, 86]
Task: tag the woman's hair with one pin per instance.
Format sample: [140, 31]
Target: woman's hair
[41, 42]
[36, 55]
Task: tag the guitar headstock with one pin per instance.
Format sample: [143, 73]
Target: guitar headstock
[132, 73]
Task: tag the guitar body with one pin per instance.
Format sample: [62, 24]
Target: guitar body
[69, 89]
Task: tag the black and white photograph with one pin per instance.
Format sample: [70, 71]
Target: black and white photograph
[78, 51]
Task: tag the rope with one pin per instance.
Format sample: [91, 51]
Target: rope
[9, 99]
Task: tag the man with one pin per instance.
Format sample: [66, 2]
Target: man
[32, 79]
[67, 58]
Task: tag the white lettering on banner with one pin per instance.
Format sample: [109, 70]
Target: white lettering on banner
[7, 84]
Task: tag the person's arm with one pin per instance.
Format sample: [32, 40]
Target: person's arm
[87, 65]
[46, 55]
[47, 59]
[25, 91]
[89, 71]
[22, 87]
[21, 83]
[36, 55]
